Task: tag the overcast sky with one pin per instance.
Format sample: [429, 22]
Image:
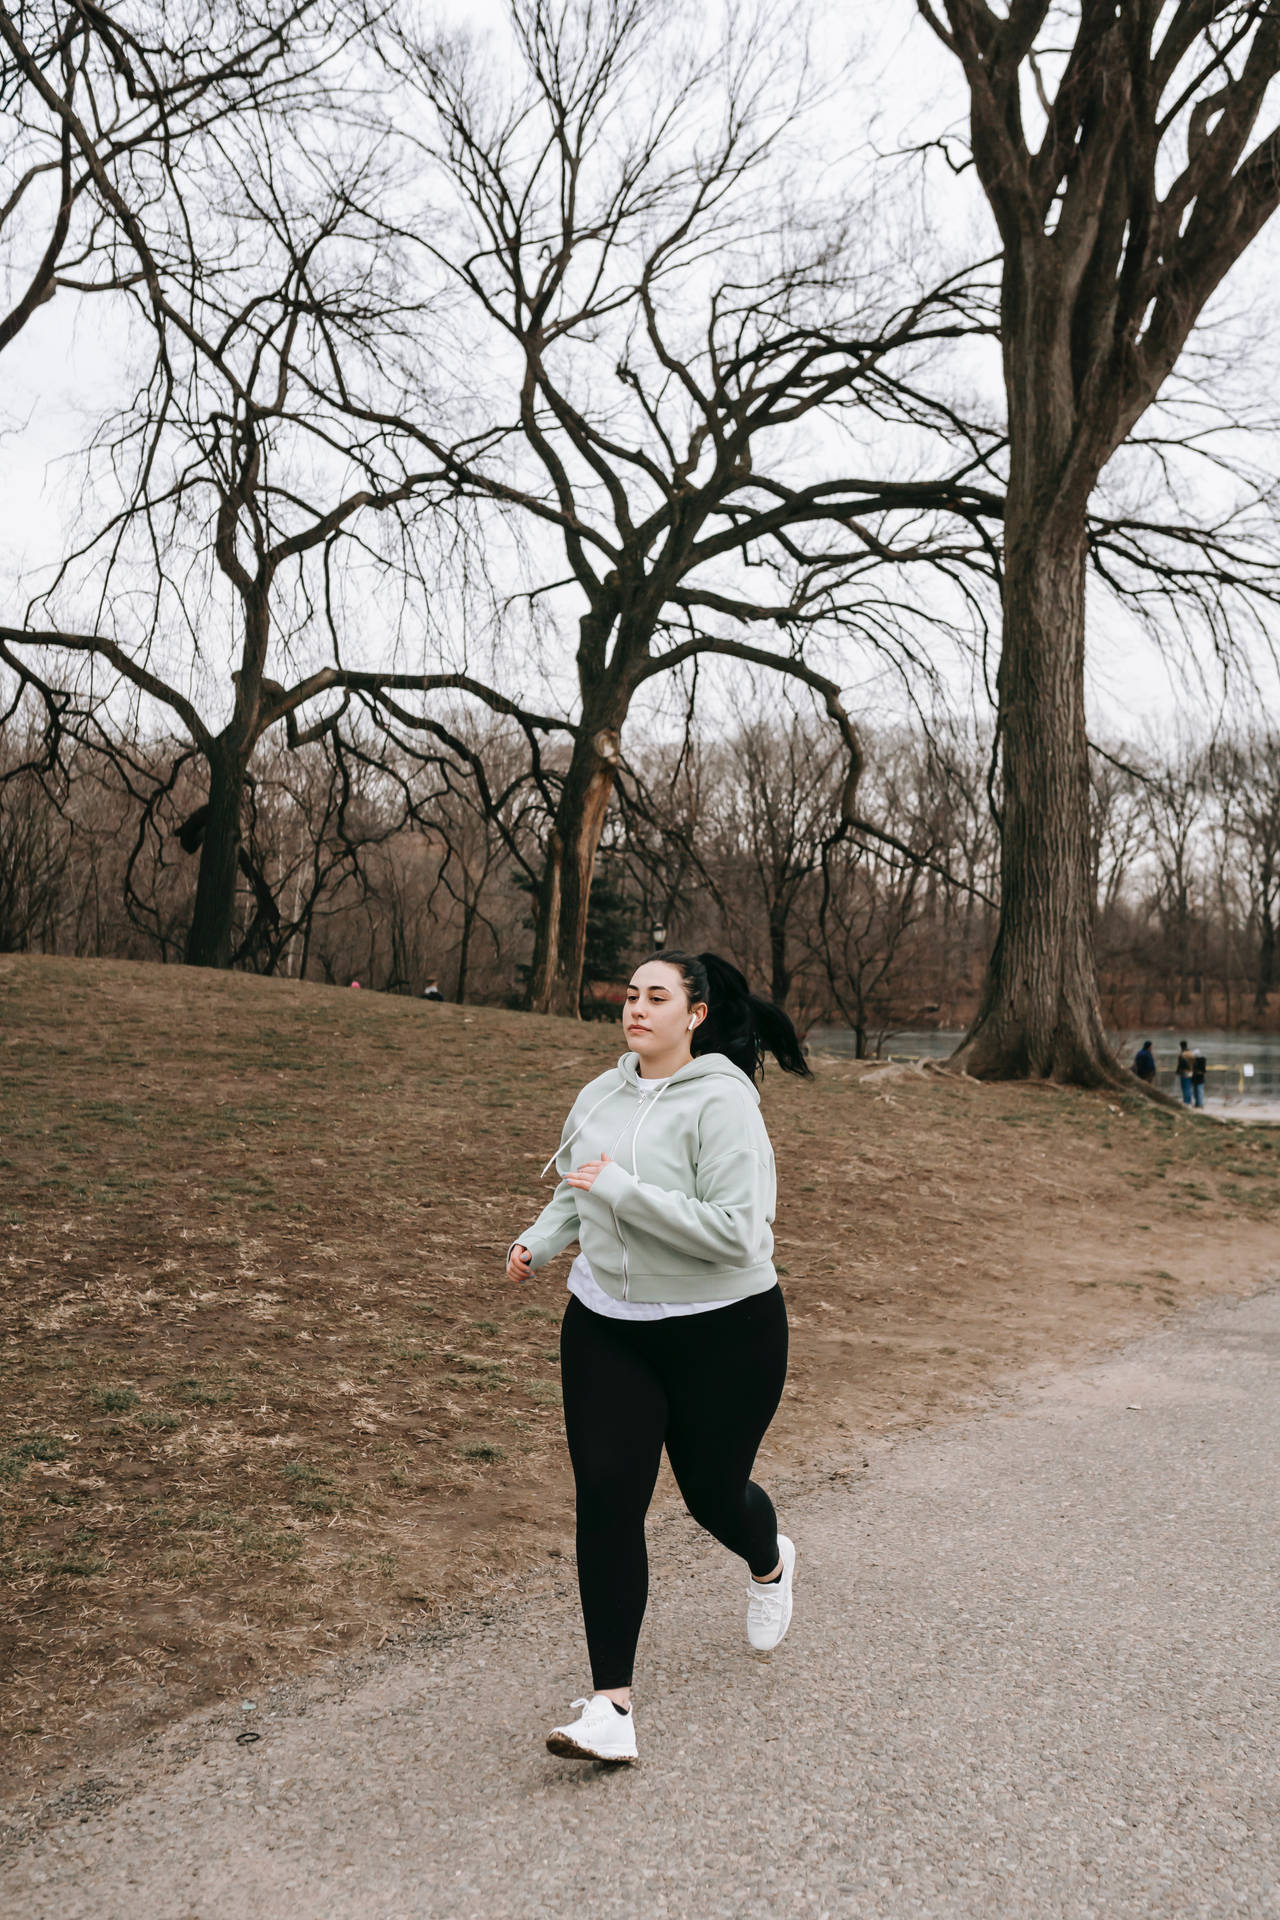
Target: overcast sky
[901, 83]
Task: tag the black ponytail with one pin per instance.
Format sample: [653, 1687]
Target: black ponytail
[739, 1023]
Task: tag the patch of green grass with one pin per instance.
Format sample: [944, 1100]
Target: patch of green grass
[271, 1544]
[76, 1566]
[482, 1450]
[485, 1326]
[60, 1565]
[36, 1446]
[304, 1474]
[204, 1393]
[208, 1520]
[247, 1536]
[545, 1392]
[113, 1399]
[311, 1490]
[159, 1419]
[536, 1313]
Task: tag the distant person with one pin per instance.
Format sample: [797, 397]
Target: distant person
[1144, 1063]
[432, 990]
[1199, 1069]
[1186, 1071]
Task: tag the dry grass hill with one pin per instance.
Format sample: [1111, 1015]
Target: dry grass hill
[266, 1392]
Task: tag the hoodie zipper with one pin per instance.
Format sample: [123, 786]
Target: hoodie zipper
[617, 1224]
[643, 1095]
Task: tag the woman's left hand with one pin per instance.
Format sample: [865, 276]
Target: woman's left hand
[585, 1176]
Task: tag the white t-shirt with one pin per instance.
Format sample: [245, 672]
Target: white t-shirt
[584, 1285]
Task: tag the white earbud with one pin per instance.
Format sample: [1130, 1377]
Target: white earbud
[693, 1023]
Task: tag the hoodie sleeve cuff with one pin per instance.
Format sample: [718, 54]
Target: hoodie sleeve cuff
[612, 1183]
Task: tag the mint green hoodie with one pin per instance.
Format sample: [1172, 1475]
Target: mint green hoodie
[685, 1208]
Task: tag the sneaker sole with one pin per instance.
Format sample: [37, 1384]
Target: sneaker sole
[567, 1749]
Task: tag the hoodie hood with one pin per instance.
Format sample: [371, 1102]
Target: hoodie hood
[707, 1068]
[703, 1066]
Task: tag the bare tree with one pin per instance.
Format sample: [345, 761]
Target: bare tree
[662, 796]
[1172, 804]
[95, 97]
[1141, 186]
[778, 802]
[259, 272]
[35, 852]
[1248, 768]
[896, 927]
[691, 369]
[935, 785]
[480, 830]
[870, 905]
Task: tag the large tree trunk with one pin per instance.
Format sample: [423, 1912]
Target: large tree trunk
[209, 941]
[555, 977]
[1040, 1015]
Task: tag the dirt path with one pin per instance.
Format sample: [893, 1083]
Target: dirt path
[1032, 1672]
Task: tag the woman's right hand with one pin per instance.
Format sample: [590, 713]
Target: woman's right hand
[518, 1267]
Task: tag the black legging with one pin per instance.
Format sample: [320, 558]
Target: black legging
[707, 1384]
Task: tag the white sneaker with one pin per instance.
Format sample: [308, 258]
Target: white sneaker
[769, 1604]
[599, 1733]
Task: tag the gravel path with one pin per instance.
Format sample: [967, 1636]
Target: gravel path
[1032, 1672]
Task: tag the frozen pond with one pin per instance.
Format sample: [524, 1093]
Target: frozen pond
[1243, 1077]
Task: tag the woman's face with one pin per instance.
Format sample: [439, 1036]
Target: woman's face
[656, 1016]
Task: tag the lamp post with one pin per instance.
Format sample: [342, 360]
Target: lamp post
[658, 935]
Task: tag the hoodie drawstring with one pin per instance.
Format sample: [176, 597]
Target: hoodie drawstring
[647, 1108]
[650, 1105]
[573, 1136]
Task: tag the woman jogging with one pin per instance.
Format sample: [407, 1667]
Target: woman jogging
[676, 1333]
